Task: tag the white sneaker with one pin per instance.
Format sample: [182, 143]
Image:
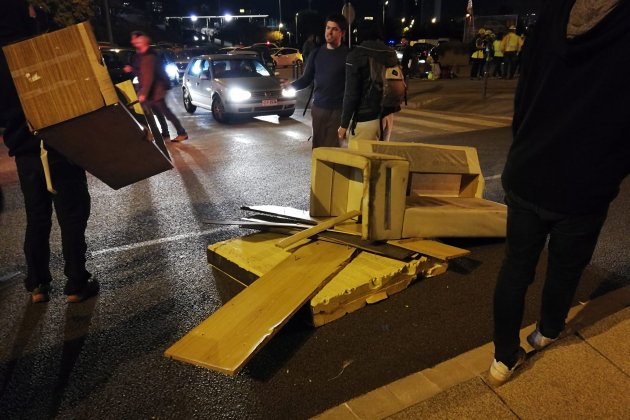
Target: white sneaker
[499, 373]
[539, 341]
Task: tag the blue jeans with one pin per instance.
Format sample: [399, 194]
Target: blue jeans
[572, 240]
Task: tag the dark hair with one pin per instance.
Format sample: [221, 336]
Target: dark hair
[339, 19]
[135, 34]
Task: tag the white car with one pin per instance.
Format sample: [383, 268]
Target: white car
[232, 85]
[284, 57]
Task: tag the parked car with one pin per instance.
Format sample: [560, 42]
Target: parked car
[284, 57]
[232, 85]
[264, 54]
[115, 60]
[182, 57]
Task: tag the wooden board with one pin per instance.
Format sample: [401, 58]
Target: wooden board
[235, 332]
[108, 143]
[431, 248]
[60, 75]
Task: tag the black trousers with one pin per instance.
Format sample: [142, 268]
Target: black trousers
[161, 110]
[72, 207]
[572, 240]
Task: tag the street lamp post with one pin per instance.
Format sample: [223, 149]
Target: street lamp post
[296, 31]
[279, 10]
[384, 8]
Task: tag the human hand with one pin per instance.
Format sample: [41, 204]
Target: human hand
[142, 99]
[128, 69]
[341, 133]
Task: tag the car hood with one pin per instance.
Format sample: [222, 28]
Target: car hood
[251, 83]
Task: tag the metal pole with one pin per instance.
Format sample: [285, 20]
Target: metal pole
[296, 32]
[108, 22]
[279, 12]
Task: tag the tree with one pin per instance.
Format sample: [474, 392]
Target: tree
[65, 12]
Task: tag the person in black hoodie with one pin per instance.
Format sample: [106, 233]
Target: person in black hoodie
[569, 156]
[72, 199]
[362, 112]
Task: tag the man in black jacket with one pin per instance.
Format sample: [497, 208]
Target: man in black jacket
[71, 200]
[569, 156]
[362, 109]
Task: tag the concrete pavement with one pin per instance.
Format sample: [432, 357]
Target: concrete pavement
[586, 374]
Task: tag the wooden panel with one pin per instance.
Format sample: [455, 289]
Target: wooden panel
[231, 336]
[431, 248]
[110, 144]
[59, 76]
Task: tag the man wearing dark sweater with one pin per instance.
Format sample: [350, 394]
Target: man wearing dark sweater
[326, 67]
[71, 199]
[569, 156]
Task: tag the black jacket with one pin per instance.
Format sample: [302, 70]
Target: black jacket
[355, 100]
[571, 126]
[15, 25]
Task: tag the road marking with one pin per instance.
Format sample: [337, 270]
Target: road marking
[489, 121]
[152, 242]
[490, 178]
[453, 128]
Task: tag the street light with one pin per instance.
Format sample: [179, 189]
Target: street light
[279, 11]
[384, 5]
[296, 30]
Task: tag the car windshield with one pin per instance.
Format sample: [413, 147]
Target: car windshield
[238, 67]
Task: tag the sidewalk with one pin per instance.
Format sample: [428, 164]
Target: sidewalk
[586, 374]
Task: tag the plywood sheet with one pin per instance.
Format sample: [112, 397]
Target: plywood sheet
[233, 334]
[60, 75]
[431, 248]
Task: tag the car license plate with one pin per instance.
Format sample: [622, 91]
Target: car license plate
[269, 101]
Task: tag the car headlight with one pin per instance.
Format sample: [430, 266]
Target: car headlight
[238, 94]
[288, 93]
[171, 70]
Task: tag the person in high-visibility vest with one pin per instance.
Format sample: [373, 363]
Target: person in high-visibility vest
[477, 58]
[497, 59]
[510, 46]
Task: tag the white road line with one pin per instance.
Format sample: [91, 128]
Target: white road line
[484, 122]
[152, 242]
[490, 178]
[473, 116]
[451, 128]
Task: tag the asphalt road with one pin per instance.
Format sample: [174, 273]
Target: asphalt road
[103, 358]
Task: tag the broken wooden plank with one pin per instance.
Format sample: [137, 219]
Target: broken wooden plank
[235, 332]
[431, 248]
[286, 212]
[320, 227]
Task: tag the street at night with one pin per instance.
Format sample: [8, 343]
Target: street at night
[147, 242]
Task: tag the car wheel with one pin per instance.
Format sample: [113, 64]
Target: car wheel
[218, 110]
[190, 108]
[286, 114]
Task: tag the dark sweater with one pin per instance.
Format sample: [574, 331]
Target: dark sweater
[571, 127]
[14, 25]
[327, 68]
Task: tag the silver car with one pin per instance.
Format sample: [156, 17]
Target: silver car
[234, 85]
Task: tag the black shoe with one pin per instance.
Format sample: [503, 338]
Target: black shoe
[41, 294]
[91, 289]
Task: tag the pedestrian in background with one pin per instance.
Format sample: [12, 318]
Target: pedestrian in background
[326, 69]
[71, 199]
[363, 113]
[510, 46]
[407, 55]
[569, 155]
[478, 57]
[308, 46]
[153, 84]
[497, 58]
